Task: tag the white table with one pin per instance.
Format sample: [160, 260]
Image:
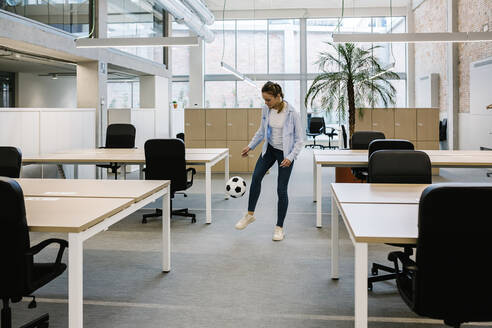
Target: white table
[194, 156]
[358, 158]
[371, 221]
[83, 208]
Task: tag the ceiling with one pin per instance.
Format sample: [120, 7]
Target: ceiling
[297, 4]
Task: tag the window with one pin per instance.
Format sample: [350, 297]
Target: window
[224, 43]
[180, 93]
[252, 46]
[220, 94]
[123, 94]
[180, 55]
[283, 43]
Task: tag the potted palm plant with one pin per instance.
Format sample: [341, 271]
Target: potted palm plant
[351, 78]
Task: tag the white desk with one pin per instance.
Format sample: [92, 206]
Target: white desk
[83, 217]
[194, 156]
[358, 158]
[371, 221]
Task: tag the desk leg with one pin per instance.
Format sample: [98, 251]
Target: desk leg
[334, 239]
[75, 281]
[141, 173]
[314, 179]
[76, 171]
[166, 233]
[318, 196]
[360, 285]
[208, 193]
[226, 177]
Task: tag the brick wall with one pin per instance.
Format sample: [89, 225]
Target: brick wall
[472, 16]
[431, 16]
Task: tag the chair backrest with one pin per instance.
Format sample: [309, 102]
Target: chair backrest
[399, 166]
[443, 127]
[120, 136]
[389, 144]
[317, 125]
[344, 136]
[165, 160]
[362, 139]
[453, 249]
[10, 162]
[181, 136]
[14, 239]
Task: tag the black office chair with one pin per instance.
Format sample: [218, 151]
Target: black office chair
[181, 136]
[389, 144]
[361, 140]
[448, 279]
[20, 275]
[120, 135]
[316, 128]
[10, 162]
[330, 136]
[344, 136]
[165, 160]
[397, 166]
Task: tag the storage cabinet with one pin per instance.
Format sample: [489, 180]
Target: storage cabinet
[364, 122]
[194, 124]
[406, 123]
[383, 120]
[230, 128]
[427, 124]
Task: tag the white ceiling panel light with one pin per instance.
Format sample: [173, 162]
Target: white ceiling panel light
[413, 37]
[137, 42]
[237, 74]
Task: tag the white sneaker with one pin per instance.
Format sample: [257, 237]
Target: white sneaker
[278, 234]
[243, 223]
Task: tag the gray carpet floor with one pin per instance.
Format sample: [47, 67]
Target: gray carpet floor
[222, 277]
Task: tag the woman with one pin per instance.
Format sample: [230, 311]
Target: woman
[281, 130]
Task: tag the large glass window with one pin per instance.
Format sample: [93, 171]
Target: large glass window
[180, 55]
[222, 48]
[220, 94]
[252, 46]
[69, 15]
[284, 43]
[180, 93]
[137, 18]
[123, 94]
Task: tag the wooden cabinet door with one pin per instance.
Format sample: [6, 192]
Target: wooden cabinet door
[383, 120]
[254, 122]
[194, 124]
[427, 124]
[406, 123]
[219, 167]
[253, 157]
[237, 163]
[363, 123]
[215, 124]
[237, 124]
[195, 144]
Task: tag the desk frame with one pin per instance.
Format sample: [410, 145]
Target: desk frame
[76, 247]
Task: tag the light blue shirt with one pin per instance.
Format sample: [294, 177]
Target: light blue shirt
[291, 134]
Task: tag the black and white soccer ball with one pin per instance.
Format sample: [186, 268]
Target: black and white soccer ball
[236, 187]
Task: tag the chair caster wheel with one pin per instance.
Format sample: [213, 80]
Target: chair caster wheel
[374, 272]
[144, 221]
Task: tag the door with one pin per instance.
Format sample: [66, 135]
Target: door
[383, 120]
[427, 124]
[254, 121]
[406, 123]
[215, 124]
[237, 124]
[194, 124]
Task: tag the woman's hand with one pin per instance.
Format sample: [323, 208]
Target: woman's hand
[285, 163]
[245, 151]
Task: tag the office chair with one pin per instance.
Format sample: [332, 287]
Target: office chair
[397, 166]
[330, 136]
[165, 160]
[389, 144]
[344, 136]
[316, 128]
[120, 135]
[447, 280]
[10, 162]
[20, 275]
[181, 136]
[361, 140]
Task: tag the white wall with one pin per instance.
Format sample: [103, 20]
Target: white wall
[35, 91]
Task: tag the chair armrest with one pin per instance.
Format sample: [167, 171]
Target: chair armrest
[37, 248]
[407, 263]
[193, 172]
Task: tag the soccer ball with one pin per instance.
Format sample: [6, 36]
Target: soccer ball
[236, 187]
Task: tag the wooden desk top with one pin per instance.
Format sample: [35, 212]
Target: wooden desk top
[80, 188]
[381, 223]
[127, 156]
[377, 193]
[360, 160]
[68, 214]
[352, 152]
